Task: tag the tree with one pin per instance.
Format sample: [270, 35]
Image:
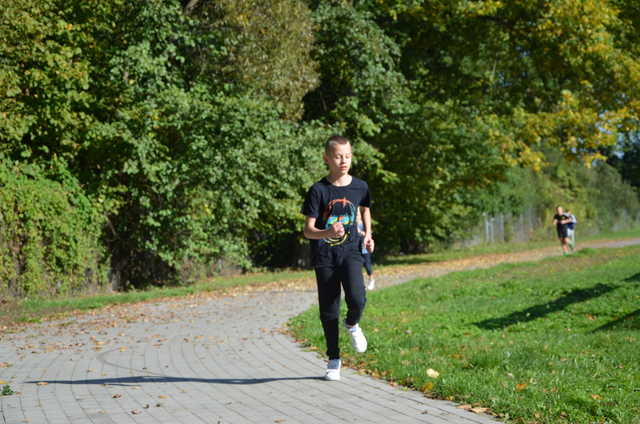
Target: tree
[45, 78]
[425, 160]
[269, 45]
[538, 73]
[144, 105]
[627, 159]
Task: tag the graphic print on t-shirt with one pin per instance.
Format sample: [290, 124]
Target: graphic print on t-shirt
[343, 211]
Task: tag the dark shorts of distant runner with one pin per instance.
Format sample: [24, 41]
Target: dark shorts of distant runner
[562, 231]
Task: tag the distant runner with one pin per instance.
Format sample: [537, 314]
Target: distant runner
[560, 220]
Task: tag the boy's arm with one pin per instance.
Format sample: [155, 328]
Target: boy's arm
[366, 220]
[312, 233]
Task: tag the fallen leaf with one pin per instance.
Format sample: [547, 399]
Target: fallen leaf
[117, 396]
[136, 412]
[427, 387]
[433, 373]
[520, 387]
[163, 397]
[42, 383]
[466, 407]
[479, 410]
[596, 397]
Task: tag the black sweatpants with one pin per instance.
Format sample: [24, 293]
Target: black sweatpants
[347, 273]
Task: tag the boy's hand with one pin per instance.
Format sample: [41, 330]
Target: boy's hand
[336, 230]
[369, 244]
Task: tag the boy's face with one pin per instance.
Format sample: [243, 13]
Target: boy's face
[338, 158]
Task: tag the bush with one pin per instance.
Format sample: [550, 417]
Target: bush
[49, 234]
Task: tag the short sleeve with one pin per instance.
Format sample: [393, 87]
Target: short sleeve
[311, 205]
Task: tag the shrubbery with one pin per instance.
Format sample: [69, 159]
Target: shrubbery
[49, 234]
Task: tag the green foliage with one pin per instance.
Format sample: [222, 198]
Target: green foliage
[627, 160]
[613, 203]
[269, 45]
[424, 160]
[197, 126]
[50, 234]
[361, 90]
[551, 73]
[443, 162]
[196, 164]
[186, 158]
[6, 390]
[44, 79]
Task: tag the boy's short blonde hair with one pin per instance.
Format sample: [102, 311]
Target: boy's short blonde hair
[334, 140]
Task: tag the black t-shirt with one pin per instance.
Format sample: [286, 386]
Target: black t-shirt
[330, 204]
[559, 218]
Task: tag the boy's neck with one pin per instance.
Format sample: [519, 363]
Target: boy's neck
[339, 180]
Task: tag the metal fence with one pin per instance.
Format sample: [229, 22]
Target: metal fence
[505, 227]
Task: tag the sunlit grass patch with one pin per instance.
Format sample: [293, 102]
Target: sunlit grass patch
[554, 341]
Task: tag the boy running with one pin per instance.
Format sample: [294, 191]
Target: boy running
[331, 207]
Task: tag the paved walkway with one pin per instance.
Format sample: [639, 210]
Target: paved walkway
[201, 359]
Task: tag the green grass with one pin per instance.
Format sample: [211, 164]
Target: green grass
[555, 341]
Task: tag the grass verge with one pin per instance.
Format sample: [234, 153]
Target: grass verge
[554, 341]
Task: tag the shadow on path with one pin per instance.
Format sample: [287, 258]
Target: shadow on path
[540, 311]
[141, 379]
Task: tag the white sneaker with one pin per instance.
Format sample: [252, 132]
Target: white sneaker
[333, 370]
[358, 340]
[372, 284]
